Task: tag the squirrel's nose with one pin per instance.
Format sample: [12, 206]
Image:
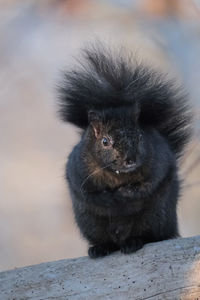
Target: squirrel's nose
[129, 163]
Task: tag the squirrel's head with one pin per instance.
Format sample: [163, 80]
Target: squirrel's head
[116, 141]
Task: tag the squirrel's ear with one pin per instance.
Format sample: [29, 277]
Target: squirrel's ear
[95, 120]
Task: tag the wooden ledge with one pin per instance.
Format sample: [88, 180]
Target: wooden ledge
[164, 270]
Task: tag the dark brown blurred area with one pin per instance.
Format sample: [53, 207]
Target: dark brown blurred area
[37, 40]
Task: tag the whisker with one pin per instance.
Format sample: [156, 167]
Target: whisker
[96, 171]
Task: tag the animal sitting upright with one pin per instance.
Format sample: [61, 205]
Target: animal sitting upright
[122, 174]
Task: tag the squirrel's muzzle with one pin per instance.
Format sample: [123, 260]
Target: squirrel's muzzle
[129, 163]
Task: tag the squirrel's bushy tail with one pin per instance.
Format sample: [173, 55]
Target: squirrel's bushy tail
[106, 80]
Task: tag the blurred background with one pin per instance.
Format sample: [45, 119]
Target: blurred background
[37, 40]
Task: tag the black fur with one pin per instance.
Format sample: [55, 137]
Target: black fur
[123, 173]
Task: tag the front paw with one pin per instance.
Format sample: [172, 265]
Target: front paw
[101, 250]
[124, 191]
[131, 245]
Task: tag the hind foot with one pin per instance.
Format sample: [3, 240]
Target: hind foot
[102, 250]
[131, 245]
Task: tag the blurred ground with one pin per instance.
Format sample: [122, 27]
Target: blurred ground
[37, 40]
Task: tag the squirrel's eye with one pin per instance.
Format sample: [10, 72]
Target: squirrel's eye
[105, 141]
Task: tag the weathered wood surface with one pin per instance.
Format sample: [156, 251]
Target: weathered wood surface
[164, 270]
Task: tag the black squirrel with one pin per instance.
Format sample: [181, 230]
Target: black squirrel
[123, 174]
